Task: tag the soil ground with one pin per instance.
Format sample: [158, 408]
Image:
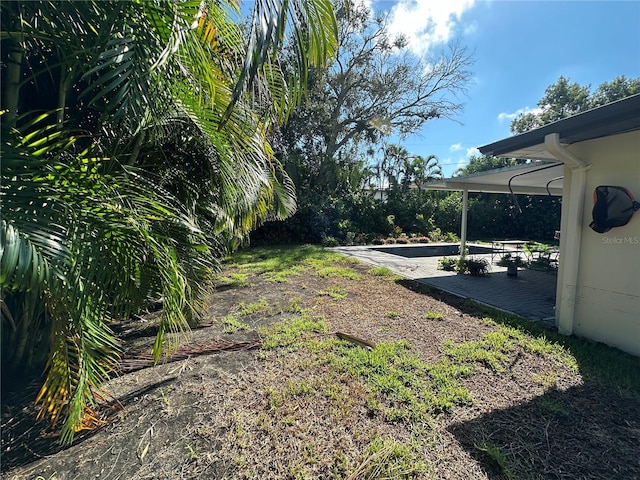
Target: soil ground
[287, 412]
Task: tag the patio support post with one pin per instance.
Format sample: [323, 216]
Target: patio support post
[571, 237]
[463, 223]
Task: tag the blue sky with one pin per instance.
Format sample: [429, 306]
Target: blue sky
[520, 48]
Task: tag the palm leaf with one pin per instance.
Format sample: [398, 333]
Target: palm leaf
[315, 31]
[22, 266]
[87, 239]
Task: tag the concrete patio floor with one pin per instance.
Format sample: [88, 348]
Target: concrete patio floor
[532, 294]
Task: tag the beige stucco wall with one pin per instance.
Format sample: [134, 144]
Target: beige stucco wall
[607, 290]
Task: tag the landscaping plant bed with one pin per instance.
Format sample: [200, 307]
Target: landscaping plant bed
[343, 371]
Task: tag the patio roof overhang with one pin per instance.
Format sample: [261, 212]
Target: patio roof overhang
[611, 119]
[539, 178]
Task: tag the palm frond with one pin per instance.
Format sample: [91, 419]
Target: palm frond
[87, 238]
[315, 31]
[22, 266]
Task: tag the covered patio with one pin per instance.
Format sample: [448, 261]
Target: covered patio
[532, 294]
[597, 293]
[535, 178]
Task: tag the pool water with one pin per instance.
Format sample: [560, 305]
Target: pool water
[440, 250]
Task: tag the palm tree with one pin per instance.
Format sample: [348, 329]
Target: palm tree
[424, 169]
[135, 153]
[393, 160]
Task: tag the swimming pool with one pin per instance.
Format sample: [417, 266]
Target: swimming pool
[439, 250]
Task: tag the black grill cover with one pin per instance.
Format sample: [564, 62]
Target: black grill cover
[613, 207]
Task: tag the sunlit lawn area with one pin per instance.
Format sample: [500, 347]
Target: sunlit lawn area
[364, 375]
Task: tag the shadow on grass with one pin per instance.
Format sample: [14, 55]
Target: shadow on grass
[583, 432]
[25, 439]
[597, 362]
[588, 431]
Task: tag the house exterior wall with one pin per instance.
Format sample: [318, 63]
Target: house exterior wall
[606, 296]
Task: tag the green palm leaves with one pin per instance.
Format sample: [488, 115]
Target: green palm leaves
[98, 245]
[135, 153]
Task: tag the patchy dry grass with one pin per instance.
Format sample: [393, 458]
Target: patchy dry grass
[382, 272]
[334, 291]
[237, 280]
[442, 388]
[233, 325]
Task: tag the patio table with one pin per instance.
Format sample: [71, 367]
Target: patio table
[500, 247]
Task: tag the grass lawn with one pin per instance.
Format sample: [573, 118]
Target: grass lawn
[359, 374]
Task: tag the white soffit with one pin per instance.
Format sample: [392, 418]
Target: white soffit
[525, 179]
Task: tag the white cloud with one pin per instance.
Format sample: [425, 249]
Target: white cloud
[459, 159]
[426, 23]
[470, 29]
[510, 116]
[449, 166]
[473, 151]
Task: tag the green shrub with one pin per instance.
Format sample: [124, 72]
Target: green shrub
[420, 239]
[451, 237]
[447, 264]
[435, 235]
[350, 237]
[542, 264]
[362, 239]
[473, 266]
[507, 260]
[329, 242]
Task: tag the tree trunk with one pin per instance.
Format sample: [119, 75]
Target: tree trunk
[12, 83]
[136, 148]
[65, 83]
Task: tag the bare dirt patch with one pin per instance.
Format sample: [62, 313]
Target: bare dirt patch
[296, 410]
